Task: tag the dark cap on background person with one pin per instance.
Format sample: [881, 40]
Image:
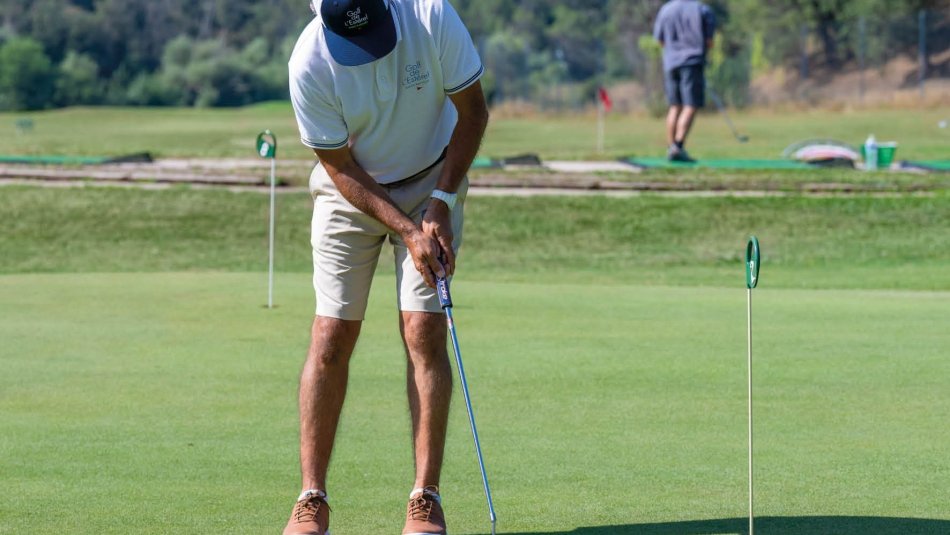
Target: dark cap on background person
[357, 31]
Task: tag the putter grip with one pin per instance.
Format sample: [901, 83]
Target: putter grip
[442, 289]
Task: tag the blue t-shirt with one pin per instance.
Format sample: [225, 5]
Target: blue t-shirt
[684, 26]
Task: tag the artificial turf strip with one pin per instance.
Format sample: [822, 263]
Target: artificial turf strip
[940, 165]
[166, 403]
[731, 164]
[53, 160]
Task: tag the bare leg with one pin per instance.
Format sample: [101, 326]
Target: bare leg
[684, 124]
[429, 386]
[322, 389]
[672, 119]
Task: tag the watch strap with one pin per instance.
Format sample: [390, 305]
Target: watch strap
[446, 197]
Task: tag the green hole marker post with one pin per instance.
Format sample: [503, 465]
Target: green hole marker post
[752, 262]
[267, 148]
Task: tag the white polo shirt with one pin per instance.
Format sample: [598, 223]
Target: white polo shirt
[394, 113]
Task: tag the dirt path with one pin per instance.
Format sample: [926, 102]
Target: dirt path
[250, 172]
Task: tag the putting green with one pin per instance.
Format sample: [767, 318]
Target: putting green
[166, 403]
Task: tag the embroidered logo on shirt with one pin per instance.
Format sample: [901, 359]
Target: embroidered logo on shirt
[415, 75]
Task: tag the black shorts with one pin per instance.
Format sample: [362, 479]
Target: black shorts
[685, 86]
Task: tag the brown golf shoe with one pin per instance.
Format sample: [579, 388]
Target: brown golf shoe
[311, 515]
[424, 514]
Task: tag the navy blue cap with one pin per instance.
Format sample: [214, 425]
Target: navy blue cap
[358, 31]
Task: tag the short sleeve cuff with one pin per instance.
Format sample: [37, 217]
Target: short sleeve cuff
[471, 80]
[323, 145]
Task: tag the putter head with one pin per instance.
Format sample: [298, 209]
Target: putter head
[743, 139]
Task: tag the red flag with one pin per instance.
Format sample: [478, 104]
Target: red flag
[604, 98]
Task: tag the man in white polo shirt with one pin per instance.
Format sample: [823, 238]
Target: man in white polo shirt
[387, 94]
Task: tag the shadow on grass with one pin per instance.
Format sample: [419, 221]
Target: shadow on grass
[772, 525]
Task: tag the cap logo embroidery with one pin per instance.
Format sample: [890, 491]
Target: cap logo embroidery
[357, 19]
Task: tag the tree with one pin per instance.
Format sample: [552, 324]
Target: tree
[26, 75]
[577, 29]
[78, 81]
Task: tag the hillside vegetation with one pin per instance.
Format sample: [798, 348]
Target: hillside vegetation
[209, 53]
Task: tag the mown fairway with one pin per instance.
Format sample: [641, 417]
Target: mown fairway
[146, 389]
[230, 132]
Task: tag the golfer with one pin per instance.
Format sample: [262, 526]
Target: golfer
[387, 94]
[685, 30]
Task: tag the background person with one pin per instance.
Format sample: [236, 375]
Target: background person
[685, 30]
[387, 94]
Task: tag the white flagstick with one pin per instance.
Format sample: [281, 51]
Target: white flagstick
[270, 251]
[749, 309]
[267, 148]
[600, 128]
[752, 263]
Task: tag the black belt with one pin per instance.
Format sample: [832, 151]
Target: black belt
[417, 176]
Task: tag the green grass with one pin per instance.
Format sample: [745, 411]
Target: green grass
[164, 132]
[165, 403]
[836, 242]
[145, 388]
[231, 132]
[770, 132]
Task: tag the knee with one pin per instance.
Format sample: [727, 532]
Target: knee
[332, 341]
[424, 336]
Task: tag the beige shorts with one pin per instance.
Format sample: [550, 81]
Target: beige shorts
[347, 243]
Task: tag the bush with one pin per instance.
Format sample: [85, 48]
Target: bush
[209, 73]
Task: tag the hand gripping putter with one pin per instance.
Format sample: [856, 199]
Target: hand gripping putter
[751, 280]
[445, 299]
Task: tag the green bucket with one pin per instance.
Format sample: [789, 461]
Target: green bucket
[885, 154]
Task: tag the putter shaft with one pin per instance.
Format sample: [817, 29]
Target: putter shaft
[445, 299]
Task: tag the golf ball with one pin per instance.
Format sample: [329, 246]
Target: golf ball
[942, 124]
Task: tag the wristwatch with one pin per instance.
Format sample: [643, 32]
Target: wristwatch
[446, 197]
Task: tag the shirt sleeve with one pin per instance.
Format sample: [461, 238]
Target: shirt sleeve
[461, 66]
[709, 23]
[658, 27]
[319, 119]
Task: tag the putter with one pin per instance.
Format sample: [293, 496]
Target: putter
[722, 109]
[445, 299]
[751, 280]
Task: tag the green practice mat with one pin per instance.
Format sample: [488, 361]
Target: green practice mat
[53, 160]
[527, 159]
[939, 165]
[140, 157]
[483, 162]
[663, 163]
